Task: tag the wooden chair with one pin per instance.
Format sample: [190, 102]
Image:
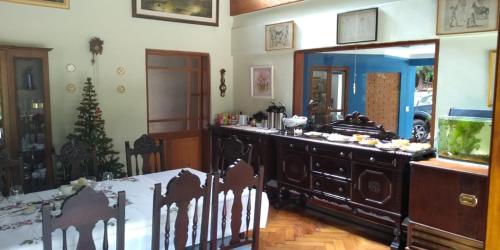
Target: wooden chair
[82, 211]
[77, 159]
[181, 190]
[152, 155]
[11, 173]
[229, 151]
[237, 178]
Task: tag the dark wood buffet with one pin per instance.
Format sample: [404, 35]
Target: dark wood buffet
[364, 183]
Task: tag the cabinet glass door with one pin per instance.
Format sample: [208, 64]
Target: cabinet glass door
[29, 86]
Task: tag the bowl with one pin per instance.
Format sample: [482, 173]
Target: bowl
[294, 121]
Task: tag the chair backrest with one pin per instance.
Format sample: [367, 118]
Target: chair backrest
[181, 190]
[82, 211]
[229, 150]
[237, 179]
[11, 173]
[470, 113]
[152, 155]
[77, 159]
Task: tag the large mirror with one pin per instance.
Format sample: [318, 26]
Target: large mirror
[391, 84]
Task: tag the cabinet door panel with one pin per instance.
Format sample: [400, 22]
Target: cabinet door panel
[376, 187]
[294, 169]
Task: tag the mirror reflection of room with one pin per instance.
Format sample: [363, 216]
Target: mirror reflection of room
[391, 85]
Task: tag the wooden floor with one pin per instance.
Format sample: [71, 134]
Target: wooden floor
[295, 229]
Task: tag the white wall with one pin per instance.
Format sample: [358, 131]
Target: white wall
[463, 59]
[125, 40]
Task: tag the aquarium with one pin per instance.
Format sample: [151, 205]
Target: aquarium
[465, 138]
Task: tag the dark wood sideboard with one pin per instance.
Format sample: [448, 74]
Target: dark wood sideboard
[345, 179]
[447, 205]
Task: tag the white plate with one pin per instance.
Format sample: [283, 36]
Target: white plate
[387, 146]
[313, 134]
[338, 138]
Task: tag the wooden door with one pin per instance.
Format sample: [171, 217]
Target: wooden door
[382, 99]
[179, 106]
[294, 165]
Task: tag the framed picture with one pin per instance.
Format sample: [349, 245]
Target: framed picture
[63, 4]
[465, 16]
[261, 79]
[491, 76]
[357, 26]
[280, 36]
[204, 12]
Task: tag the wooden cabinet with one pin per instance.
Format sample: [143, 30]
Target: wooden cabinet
[25, 113]
[364, 183]
[293, 164]
[447, 205]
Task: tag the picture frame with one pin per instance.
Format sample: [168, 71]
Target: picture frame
[280, 36]
[261, 81]
[357, 26]
[178, 11]
[466, 16]
[62, 4]
[492, 63]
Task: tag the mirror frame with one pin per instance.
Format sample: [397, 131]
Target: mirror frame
[298, 68]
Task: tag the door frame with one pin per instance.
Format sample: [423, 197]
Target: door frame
[205, 116]
[493, 217]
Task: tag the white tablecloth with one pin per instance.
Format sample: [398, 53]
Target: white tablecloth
[21, 231]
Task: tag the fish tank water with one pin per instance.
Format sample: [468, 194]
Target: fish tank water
[465, 138]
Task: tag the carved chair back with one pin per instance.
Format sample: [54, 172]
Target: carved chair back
[152, 155]
[77, 160]
[238, 178]
[11, 173]
[181, 190]
[229, 151]
[82, 211]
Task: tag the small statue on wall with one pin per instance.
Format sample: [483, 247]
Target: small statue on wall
[222, 86]
[96, 47]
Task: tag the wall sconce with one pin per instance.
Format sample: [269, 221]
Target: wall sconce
[222, 86]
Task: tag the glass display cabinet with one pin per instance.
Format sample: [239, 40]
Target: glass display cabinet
[25, 131]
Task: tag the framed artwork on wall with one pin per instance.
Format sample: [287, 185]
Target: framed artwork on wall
[465, 16]
[63, 4]
[204, 12]
[280, 36]
[261, 80]
[357, 26]
[491, 76]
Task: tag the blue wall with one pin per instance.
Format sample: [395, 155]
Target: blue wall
[370, 64]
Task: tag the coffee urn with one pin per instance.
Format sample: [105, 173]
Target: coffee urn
[278, 117]
[271, 113]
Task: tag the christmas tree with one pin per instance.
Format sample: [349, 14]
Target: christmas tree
[89, 128]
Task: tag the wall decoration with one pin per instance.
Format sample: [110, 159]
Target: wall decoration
[70, 67]
[121, 71]
[63, 4]
[357, 26]
[204, 12]
[261, 79]
[491, 76]
[96, 47]
[71, 88]
[222, 86]
[120, 89]
[280, 36]
[464, 16]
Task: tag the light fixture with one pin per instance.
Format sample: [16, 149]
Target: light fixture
[355, 72]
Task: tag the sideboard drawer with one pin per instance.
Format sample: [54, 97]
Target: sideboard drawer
[330, 186]
[294, 146]
[331, 151]
[380, 158]
[331, 166]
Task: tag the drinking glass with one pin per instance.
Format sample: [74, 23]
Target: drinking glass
[107, 178]
[16, 192]
[91, 181]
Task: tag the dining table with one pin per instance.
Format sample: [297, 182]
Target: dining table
[21, 221]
